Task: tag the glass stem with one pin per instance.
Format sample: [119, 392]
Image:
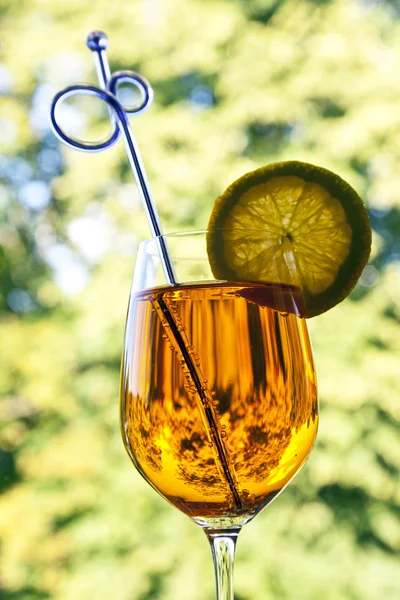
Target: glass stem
[223, 545]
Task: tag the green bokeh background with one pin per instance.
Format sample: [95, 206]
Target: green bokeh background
[237, 84]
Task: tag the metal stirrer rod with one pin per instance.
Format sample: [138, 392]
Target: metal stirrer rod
[97, 41]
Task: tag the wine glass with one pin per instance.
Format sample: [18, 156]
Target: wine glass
[218, 391]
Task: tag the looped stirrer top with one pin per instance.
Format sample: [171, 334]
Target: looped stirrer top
[97, 41]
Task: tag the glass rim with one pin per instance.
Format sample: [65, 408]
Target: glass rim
[188, 232]
[283, 273]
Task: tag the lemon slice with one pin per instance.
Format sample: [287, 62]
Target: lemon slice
[294, 223]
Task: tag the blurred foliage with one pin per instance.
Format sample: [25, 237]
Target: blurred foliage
[237, 84]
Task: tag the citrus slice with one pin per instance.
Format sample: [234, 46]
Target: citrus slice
[294, 223]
